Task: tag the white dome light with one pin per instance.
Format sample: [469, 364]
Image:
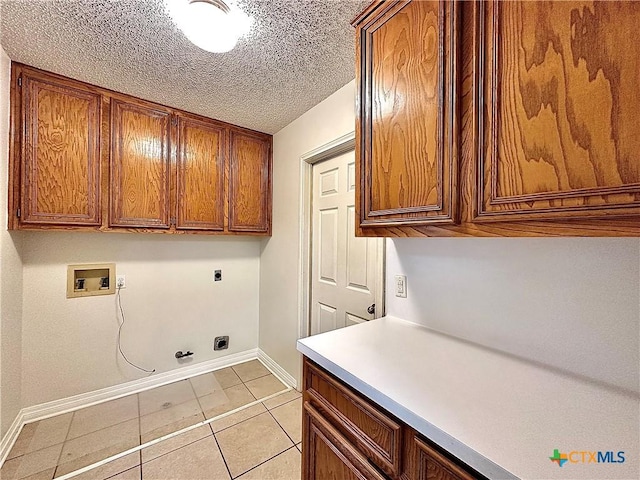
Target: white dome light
[211, 25]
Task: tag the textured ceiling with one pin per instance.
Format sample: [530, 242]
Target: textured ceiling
[297, 53]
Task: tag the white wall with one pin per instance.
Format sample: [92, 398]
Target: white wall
[570, 303]
[279, 273]
[10, 275]
[171, 303]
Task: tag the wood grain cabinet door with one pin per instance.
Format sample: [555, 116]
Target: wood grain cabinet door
[250, 182]
[432, 465]
[140, 165]
[328, 455]
[60, 172]
[368, 428]
[559, 110]
[406, 136]
[202, 148]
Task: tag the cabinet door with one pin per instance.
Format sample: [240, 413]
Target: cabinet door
[559, 109]
[367, 427]
[140, 165]
[327, 455]
[200, 169]
[60, 152]
[432, 465]
[406, 131]
[250, 183]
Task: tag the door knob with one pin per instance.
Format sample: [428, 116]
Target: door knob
[372, 309]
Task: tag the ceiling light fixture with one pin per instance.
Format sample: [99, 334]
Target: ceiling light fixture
[212, 25]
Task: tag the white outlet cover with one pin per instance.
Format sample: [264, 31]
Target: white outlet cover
[121, 281]
[401, 286]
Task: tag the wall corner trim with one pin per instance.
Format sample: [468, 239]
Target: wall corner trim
[70, 404]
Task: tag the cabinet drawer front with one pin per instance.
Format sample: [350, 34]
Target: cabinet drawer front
[250, 183]
[375, 434]
[61, 153]
[328, 455]
[557, 115]
[406, 127]
[140, 165]
[432, 465]
[200, 165]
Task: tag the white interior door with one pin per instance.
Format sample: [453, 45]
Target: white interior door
[346, 272]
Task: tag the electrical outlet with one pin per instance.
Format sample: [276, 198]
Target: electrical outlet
[401, 286]
[217, 275]
[121, 281]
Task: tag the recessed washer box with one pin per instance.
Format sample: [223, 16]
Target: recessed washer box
[91, 279]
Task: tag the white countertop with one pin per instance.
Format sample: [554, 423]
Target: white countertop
[499, 414]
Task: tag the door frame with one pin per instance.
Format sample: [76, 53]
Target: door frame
[344, 144]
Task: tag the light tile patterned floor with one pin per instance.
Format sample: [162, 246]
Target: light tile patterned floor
[257, 442]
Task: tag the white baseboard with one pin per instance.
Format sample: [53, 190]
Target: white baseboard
[69, 404]
[277, 369]
[6, 443]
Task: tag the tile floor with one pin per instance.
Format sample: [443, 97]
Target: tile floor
[257, 442]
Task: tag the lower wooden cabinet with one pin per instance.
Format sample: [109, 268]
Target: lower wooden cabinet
[346, 436]
[432, 465]
[373, 431]
[328, 455]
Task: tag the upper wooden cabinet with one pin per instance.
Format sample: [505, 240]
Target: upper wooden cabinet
[406, 127]
[60, 153]
[561, 110]
[250, 182]
[543, 140]
[140, 165]
[202, 150]
[86, 158]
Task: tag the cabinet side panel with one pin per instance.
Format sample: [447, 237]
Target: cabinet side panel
[140, 166]
[61, 156]
[200, 165]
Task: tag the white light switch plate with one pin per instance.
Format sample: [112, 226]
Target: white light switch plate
[401, 286]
